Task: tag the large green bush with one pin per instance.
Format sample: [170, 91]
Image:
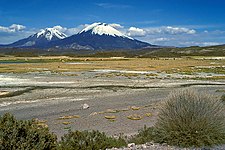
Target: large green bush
[20, 135]
[89, 140]
[191, 119]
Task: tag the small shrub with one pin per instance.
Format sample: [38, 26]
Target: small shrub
[144, 135]
[223, 98]
[17, 134]
[85, 140]
[191, 119]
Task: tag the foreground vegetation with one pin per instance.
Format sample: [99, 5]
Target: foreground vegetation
[191, 119]
[18, 134]
[187, 119]
[89, 140]
[31, 134]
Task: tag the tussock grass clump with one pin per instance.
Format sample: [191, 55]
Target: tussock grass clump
[68, 117]
[89, 140]
[191, 119]
[134, 117]
[110, 117]
[18, 134]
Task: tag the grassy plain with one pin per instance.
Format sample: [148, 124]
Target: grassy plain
[62, 64]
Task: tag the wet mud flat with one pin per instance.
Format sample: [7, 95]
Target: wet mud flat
[116, 104]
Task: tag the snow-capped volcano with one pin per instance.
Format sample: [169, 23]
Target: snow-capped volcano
[103, 28]
[39, 39]
[50, 33]
[100, 36]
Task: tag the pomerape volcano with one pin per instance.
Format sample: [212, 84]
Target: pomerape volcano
[101, 36]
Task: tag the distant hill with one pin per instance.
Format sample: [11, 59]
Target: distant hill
[218, 50]
[142, 53]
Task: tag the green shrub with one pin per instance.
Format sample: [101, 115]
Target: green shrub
[144, 135]
[18, 134]
[85, 140]
[191, 119]
[223, 98]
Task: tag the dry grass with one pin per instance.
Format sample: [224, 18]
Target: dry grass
[66, 123]
[57, 64]
[110, 117]
[68, 117]
[134, 117]
[3, 93]
[135, 108]
[41, 123]
[148, 114]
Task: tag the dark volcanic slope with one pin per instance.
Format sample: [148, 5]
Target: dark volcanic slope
[88, 40]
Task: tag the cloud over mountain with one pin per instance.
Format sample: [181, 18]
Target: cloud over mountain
[12, 28]
[170, 30]
[136, 32]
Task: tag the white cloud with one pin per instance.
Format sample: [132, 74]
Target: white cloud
[17, 27]
[196, 43]
[162, 39]
[69, 31]
[60, 28]
[12, 28]
[163, 30]
[170, 30]
[163, 35]
[116, 26]
[136, 32]
[210, 43]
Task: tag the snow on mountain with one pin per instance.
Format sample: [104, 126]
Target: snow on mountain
[103, 28]
[40, 39]
[100, 36]
[49, 33]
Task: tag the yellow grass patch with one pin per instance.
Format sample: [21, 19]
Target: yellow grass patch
[2, 93]
[68, 117]
[135, 108]
[110, 117]
[135, 64]
[66, 123]
[134, 117]
[42, 125]
[148, 114]
[111, 111]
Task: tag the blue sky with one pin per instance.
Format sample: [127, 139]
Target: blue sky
[163, 22]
